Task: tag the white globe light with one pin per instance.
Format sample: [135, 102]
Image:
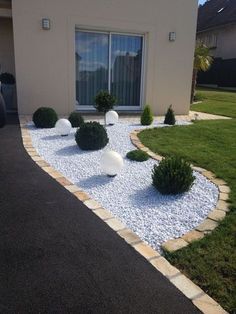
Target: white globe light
[111, 163]
[112, 117]
[63, 127]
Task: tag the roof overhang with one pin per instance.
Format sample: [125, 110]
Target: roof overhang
[216, 27]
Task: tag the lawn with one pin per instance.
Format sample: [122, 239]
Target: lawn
[211, 262]
[216, 102]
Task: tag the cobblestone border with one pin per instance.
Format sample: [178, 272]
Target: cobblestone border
[199, 298]
[217, 214]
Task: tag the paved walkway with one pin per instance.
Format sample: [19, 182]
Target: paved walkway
[206, 116]
[56, 256]
[136, 117]
[191, 116]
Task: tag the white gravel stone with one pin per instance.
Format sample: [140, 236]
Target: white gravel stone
[129, 196]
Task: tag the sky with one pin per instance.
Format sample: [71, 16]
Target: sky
[202, 1]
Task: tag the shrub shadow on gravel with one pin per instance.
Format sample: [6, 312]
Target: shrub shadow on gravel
[51, 137]
[94, 181]
[71, 151]
[150, 197]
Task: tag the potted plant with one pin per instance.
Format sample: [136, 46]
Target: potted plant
[2, 112]
[8, 89]
[104, 102]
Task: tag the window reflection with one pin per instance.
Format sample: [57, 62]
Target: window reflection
[126, 69]
[92, 67]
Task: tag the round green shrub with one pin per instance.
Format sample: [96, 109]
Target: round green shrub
[91, 136]
[147, 116]
[45, 117]
[170, 117]
[76, 119]
[173, 176]
[137, 155]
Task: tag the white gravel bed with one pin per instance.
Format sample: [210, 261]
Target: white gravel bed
[129, 196]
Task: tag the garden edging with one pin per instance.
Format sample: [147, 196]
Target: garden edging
[199, 298]
[217, 214]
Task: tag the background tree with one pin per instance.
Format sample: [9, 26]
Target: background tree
[202, 62]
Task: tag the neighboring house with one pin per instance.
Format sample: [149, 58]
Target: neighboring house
[217, 29]
[140, 50]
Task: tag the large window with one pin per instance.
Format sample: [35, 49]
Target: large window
[91, 65]
[108, 61]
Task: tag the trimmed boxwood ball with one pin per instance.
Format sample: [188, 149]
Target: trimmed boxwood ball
[173, 176]
[76, 119]
[104, 101]
[137, 155]
[45, 117]
[147, 116]
[91, 136]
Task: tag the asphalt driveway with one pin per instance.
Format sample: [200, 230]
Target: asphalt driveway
[56, 256]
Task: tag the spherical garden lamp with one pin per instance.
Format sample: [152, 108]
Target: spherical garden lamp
[111, 163]
[112, 117]
[63, 127]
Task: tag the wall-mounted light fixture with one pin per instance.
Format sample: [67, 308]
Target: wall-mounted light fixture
[46, 24]
[172, 36]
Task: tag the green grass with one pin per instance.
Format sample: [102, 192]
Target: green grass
[216, 102]
[211, 262]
